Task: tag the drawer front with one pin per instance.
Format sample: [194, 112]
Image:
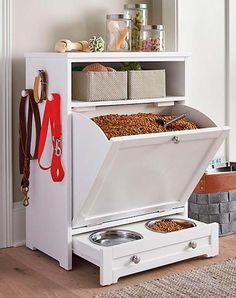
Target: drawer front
[161, 256]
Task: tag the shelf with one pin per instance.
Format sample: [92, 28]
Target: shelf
[85, 104]
[112, 56]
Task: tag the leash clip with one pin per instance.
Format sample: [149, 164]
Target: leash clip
[58, 150]
[25, 191]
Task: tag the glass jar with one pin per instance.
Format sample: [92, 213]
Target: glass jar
[118, 33]
[139, 16]
[152, 38]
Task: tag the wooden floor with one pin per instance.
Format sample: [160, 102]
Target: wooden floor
[26, 273]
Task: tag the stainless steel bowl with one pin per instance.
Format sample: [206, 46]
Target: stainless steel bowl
[186, 224]
[114, 237]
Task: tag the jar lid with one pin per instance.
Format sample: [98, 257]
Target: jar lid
[118, 16]
[135, 6]
[152, 27]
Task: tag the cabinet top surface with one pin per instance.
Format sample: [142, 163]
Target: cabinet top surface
[111, 55]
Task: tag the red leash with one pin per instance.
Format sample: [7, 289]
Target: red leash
[52, 116]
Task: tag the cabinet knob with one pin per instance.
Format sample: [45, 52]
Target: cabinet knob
[135, 259]
[193, 244]
[176, 140]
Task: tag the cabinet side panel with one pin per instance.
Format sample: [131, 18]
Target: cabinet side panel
[48, 217]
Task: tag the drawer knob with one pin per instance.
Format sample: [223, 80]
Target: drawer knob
[135, 259]
[193, 244]
[176, 140]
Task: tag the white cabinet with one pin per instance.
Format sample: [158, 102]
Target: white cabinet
[123, 181]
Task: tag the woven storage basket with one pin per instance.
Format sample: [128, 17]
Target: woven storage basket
[146, 84]
[214, 200]
[95, 86]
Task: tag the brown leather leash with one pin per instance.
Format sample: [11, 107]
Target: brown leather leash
[41, 80]
[25, 134]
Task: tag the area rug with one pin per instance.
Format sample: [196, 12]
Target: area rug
[217, 280]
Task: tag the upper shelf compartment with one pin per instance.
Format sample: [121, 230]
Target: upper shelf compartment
[174, 64]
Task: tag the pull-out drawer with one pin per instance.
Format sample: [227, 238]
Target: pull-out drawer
[153, 250]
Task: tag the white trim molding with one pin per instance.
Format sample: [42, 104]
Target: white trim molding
[19, 234]
[6, 124]
[231, 77]
[227, 76]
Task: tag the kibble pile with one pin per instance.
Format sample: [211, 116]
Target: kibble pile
[115, 125]
[167, 225]
[151, 45]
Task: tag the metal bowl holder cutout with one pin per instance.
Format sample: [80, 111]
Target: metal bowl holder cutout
[114, 237]
[190, 224]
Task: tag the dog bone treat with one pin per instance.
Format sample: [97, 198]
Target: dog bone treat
[115, 125]
[118, 32]
[65, 45]
[151, 45]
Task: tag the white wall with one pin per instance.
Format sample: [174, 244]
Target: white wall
[201, 31]
[156, 11]
[232, 78]
[38, 24]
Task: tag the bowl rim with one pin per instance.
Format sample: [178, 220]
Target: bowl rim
[113, 230]
[152, 221]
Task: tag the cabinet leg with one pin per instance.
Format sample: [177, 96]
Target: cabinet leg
[66, 263]
[214, 240]
[30, 246]
[105, 277]
[106, 268]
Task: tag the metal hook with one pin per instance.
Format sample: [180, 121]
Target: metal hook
[25, 191]
[58, 150]
[26, 201]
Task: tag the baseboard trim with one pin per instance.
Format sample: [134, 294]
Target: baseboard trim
[19, 235]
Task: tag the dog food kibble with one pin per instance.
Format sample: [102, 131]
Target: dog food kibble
[166, 225]
[115, 125]
[151, 45]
